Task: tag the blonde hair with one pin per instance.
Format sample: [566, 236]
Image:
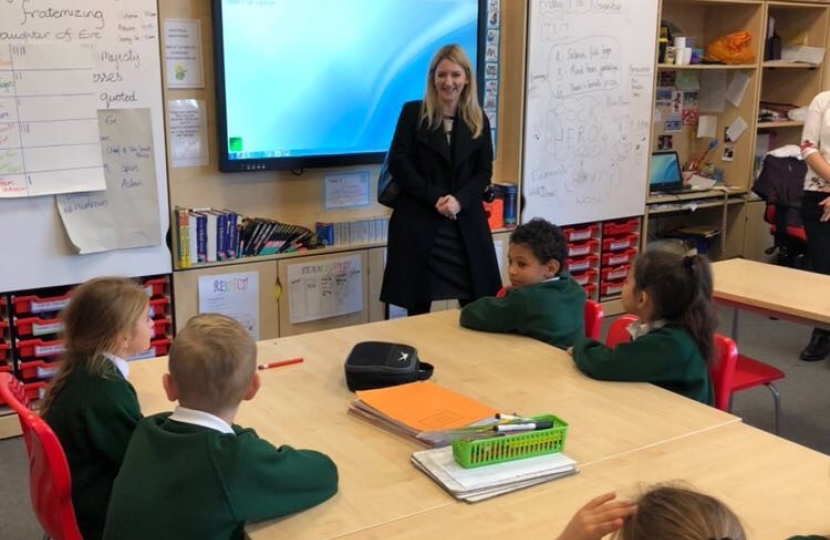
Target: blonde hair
[100, 313]
[671, 512]
[212, 361]
[468, 108]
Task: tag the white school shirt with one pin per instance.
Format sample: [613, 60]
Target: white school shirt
[200, 418]
[119, 363]
[816, 138]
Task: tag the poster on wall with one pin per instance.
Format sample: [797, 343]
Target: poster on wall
[325, 289]
[235, 295]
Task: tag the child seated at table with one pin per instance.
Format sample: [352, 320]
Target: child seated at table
[673, 339]
[666, 512]
[193, 473]
[543, 301]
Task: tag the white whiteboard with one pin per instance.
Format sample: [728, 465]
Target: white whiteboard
[588, 108]
[125, 39]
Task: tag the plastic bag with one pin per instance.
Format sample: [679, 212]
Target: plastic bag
[732, 48]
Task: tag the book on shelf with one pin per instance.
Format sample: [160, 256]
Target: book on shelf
[417, 408]
[480, 483]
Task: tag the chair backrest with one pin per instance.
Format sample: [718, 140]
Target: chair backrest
[593, 319]
[618, 331]
[50, 485]
[722, 370]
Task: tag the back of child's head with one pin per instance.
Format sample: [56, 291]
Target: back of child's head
[677, 513]
[543, 238]
[680, 288]
[100, 313]
[212, 361]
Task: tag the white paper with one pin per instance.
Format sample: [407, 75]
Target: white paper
[712, 94]
[188, 133]
[125, 215]
[346, 190]
[736, 129]
[707, 126]
[49, 139]
[183, 53]
[737, 88]
[687, 81]
[325, 289]
[235, 295]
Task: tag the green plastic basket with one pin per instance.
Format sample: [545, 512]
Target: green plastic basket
[476, 453]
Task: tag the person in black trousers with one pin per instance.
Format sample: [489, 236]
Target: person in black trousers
[440, 246]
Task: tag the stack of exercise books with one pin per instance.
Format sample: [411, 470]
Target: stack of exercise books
[479, 483]
[417, 409]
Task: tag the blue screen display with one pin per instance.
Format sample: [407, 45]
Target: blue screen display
[304, 78]
[665, 169]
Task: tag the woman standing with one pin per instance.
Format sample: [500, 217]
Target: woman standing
[440, 246]
[815, 206]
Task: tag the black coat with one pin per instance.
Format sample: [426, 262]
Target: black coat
[427, 168]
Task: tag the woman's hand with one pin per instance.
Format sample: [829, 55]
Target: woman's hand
[598, 518]
[825, 216]
[448, 206]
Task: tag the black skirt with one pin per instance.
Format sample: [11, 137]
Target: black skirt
[449, 266]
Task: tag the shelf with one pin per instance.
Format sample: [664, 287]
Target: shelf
[778, 125]
[693, 195]
[668, 67]
[774, 64]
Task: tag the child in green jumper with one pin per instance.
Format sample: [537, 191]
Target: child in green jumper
[543, 301]
[673, 340]
[194, 473]
[90, 405]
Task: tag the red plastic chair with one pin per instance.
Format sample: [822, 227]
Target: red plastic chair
[722, 372]
[50, 485]
[750, 373]
[593, 315]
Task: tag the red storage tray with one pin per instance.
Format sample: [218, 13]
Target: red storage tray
[590, 290]
[615, 273]
[582, 264]
[158, 307]
[619, 243]
[612, 288]
[582, 248]
[621, 227]
[38, 326]
[586, 277]
[39, 369]
[616, 259]
[156, 286]
[38, 348]
[35, 390]
[4, 351]
[5, 368]
[160, 327]
[581, 232]
[39, 304]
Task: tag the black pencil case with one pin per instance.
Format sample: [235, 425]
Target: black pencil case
[376, 364]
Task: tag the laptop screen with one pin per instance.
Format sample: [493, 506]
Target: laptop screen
[665, 171]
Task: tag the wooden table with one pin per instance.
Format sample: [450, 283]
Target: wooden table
[777, 291]
[776, 487]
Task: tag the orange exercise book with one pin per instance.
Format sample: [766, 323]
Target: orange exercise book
[410, 409]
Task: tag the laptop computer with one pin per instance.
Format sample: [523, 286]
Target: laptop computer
[665, 175]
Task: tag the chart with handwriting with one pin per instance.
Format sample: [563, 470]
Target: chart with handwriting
[588, 108]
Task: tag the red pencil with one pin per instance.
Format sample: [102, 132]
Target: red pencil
[280, 363]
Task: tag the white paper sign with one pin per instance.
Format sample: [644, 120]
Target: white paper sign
[325, 289]
[737, 88]
[736, 129]
[346, 190]
[183, 53]
[234, 295]
[49, 140]
[125, 214]
[188, 133]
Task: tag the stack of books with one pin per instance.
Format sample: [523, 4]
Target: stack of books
[417, 409]
[480, 483]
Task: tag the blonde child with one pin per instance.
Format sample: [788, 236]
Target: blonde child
[666, 512]
[672, 344]
[90, 405]
[193, 473]
[543, 301]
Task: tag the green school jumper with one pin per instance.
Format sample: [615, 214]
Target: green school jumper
[551, 311]
[94, 418]
[181, 480]
[666, 356]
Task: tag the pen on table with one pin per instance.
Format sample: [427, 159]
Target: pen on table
[280, 363]
[524, 426]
